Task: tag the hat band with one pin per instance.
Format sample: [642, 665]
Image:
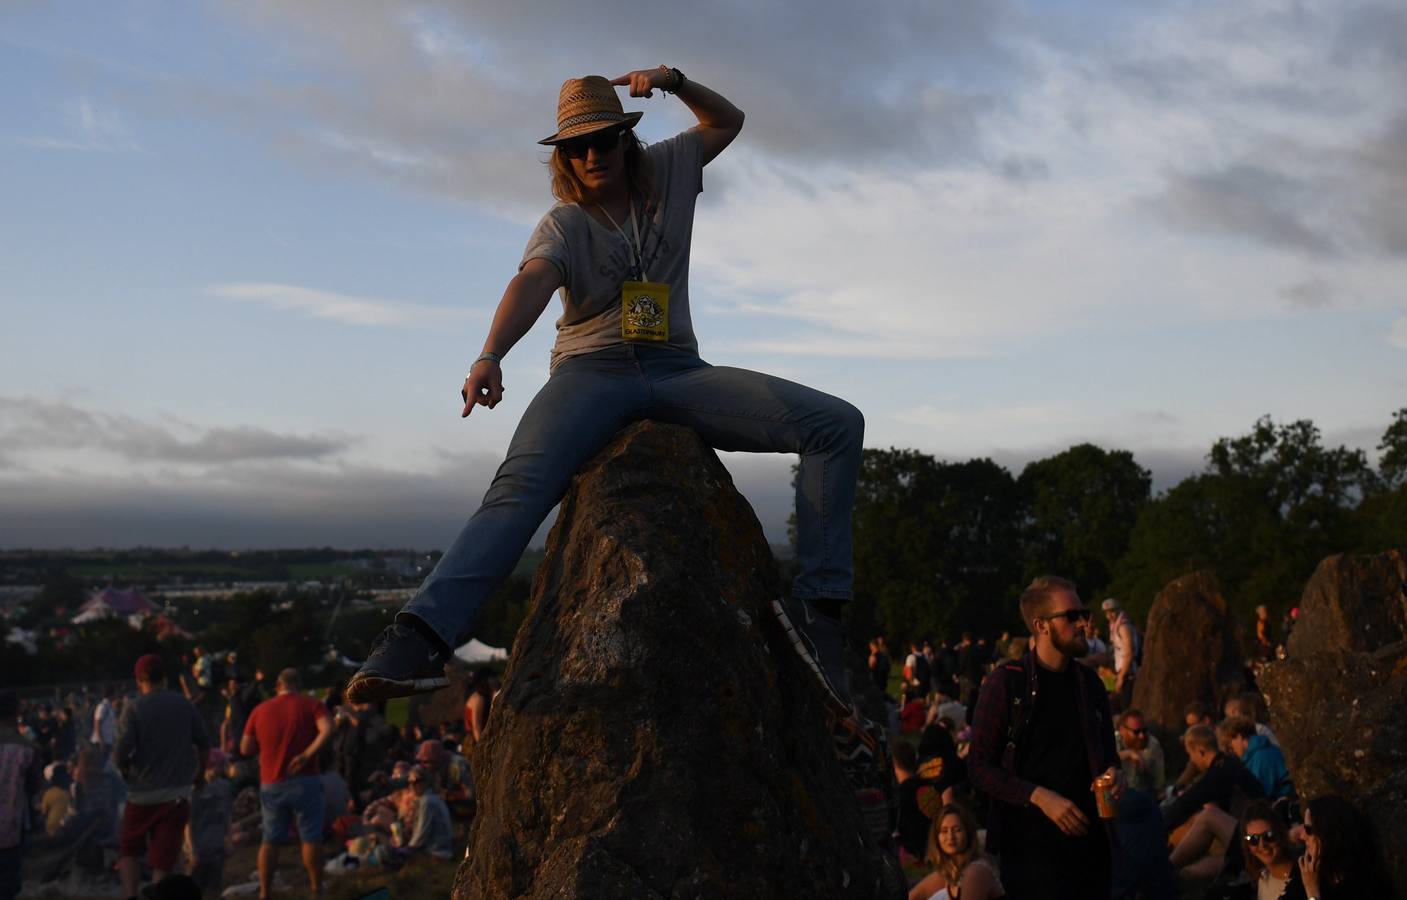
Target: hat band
[590, 117]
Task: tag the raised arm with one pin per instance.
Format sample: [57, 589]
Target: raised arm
[719, 120]
[523, 301]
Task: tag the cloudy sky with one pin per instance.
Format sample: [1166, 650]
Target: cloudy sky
[247, 249]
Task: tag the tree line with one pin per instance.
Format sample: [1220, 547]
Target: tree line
[942, 547]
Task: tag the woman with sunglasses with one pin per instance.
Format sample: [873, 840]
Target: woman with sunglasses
[1341, 859]
[1266, 850]
[617, 247]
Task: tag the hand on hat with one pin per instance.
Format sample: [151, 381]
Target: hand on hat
[643, 82]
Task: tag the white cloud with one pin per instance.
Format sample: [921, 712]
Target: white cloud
[44, 435]
[1397, 334]
[344, 308]
[89, 128]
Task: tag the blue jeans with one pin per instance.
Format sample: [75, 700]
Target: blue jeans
[588, 399]
[297, 799]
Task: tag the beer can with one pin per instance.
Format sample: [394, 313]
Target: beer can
[1104, 796]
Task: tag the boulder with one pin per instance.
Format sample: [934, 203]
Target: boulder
[1341, 718]
[655, 735]
[1190, 652]
[1352, 603]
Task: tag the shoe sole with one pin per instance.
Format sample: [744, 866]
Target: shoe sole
[373, 688]
[837, 703]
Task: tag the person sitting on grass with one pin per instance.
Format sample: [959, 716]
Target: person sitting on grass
[431, 833]
[1265, 846]
[1260, 757]
[1342, 859]
[1210, 807]
[961, 871]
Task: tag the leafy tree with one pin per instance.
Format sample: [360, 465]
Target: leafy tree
[935, 544]
[1268, 507]
[1383, 514]
[1392, 466]
[1080, 506]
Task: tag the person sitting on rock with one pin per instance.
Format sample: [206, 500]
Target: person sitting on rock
[1210, 808]
[617, 246]
[1260, 757]
[961, 871]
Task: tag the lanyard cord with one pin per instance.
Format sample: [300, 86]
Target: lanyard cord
[637, 246]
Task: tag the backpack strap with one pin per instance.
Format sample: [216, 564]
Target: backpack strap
[1020, 698]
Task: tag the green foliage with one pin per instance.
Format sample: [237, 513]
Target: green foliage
[936, 545]
[1392, 466]
[1079, 508]
[504, 612]
[1268, 507]
[270, 631]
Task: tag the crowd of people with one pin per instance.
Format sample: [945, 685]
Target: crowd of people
[1025, 771]
[116, 788]
[1022, 767]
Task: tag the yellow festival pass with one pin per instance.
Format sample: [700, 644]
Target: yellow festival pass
[644, 311]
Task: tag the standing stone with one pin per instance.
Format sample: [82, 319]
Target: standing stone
[1352, 603]
[1341, 717]
[655, 736]
[1338, 704]
[1190, 652]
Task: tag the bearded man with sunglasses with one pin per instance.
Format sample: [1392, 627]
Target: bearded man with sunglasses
[1141, 753]
[1042, 734]
[616, 246]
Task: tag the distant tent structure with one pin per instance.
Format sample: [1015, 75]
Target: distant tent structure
[165, 628]
[476, 651]
[110, 603]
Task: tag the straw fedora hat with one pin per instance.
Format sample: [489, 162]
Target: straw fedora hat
[586, 105]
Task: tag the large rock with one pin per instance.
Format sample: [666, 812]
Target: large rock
[1341, 717]
[1352, 603]
[1190, 652]
[655, 737]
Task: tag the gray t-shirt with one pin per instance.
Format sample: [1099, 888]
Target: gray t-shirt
[595, 259]
[158, 738]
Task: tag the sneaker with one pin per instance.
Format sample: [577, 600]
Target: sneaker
[402, 662]
[820, 641]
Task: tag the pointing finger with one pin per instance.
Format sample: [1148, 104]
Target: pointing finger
[622, 80]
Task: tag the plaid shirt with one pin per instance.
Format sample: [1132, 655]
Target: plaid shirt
[991, 761]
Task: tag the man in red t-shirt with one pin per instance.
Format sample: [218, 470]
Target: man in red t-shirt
[287, 732]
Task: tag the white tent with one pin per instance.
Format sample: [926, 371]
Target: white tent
[476, 651]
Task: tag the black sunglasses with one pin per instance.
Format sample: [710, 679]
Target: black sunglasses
[1267, 837]
[602, 142]
[1137, 730]
[1071, 615]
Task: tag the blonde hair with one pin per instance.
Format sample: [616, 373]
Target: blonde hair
[1035, 600]
[951, 867]
[1203, 736]
[639, 172]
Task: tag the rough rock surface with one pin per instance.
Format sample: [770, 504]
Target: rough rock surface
[655, 737]
[1341, 717]
[1190, 652]
[1352, 603]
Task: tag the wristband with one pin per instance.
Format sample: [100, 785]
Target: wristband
[678, 80]
[491, 357]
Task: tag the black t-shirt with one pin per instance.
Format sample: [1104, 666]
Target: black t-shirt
[1052, 752]
[1038, 860]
